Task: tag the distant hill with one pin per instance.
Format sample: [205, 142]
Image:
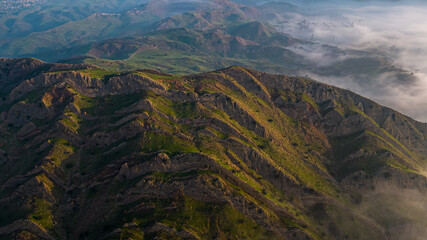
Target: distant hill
[58, 24]
[247, 43]
[251, 43]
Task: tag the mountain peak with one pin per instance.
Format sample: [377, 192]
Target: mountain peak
[234, 151]
[254, 31]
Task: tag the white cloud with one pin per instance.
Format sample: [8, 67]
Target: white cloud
[398, 30]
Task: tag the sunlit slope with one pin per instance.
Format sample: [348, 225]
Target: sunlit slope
[250, 44]
[233, 153]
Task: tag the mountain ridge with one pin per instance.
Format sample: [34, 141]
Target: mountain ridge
[146, 154]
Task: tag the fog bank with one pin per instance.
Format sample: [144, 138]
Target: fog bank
[394, 29]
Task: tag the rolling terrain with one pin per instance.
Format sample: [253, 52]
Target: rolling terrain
[188, 37]
[20, 19]
[58, 24]
[233, 34]
[133, 125]
[228, 154]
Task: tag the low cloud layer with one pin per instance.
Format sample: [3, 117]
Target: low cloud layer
[394, 29]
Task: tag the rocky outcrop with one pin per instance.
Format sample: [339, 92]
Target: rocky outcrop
[224, 155]
[26, 225]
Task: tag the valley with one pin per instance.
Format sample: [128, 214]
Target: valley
[212, 119]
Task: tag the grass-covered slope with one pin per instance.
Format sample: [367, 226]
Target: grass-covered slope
[87, 153]
[38, 27]
[184, 48]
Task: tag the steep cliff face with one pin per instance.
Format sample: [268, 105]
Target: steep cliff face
[231, 154]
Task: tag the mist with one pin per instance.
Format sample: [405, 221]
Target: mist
[394, 30]
[403, 210]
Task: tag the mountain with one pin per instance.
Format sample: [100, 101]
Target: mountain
[237, 35]
[19, 18]
[226, 14]
[60, 24]
[98, 26]
[168, 8]
[193, 51]
[189, 37]
[87, 153]
[249, 43]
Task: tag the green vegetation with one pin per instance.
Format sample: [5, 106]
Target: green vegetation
[310, 101]
[42, 214]
[72, 120]
[152, 142]
[186, 110]
[130, 233]
[206, 220]
[98, 73]
[213, 155]
[52, 27]
[61, 150]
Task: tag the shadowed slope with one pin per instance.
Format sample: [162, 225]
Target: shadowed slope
[233, 153]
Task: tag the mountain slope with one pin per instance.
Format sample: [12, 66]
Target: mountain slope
[21, 18]
[191, 51]
[63, 24]
[251, 44]
[233, 153]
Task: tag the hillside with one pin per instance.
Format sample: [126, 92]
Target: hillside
[188, 51]
[189, 37]
[61, 24]
[251, 44]
[87, 153]
[21, 18]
